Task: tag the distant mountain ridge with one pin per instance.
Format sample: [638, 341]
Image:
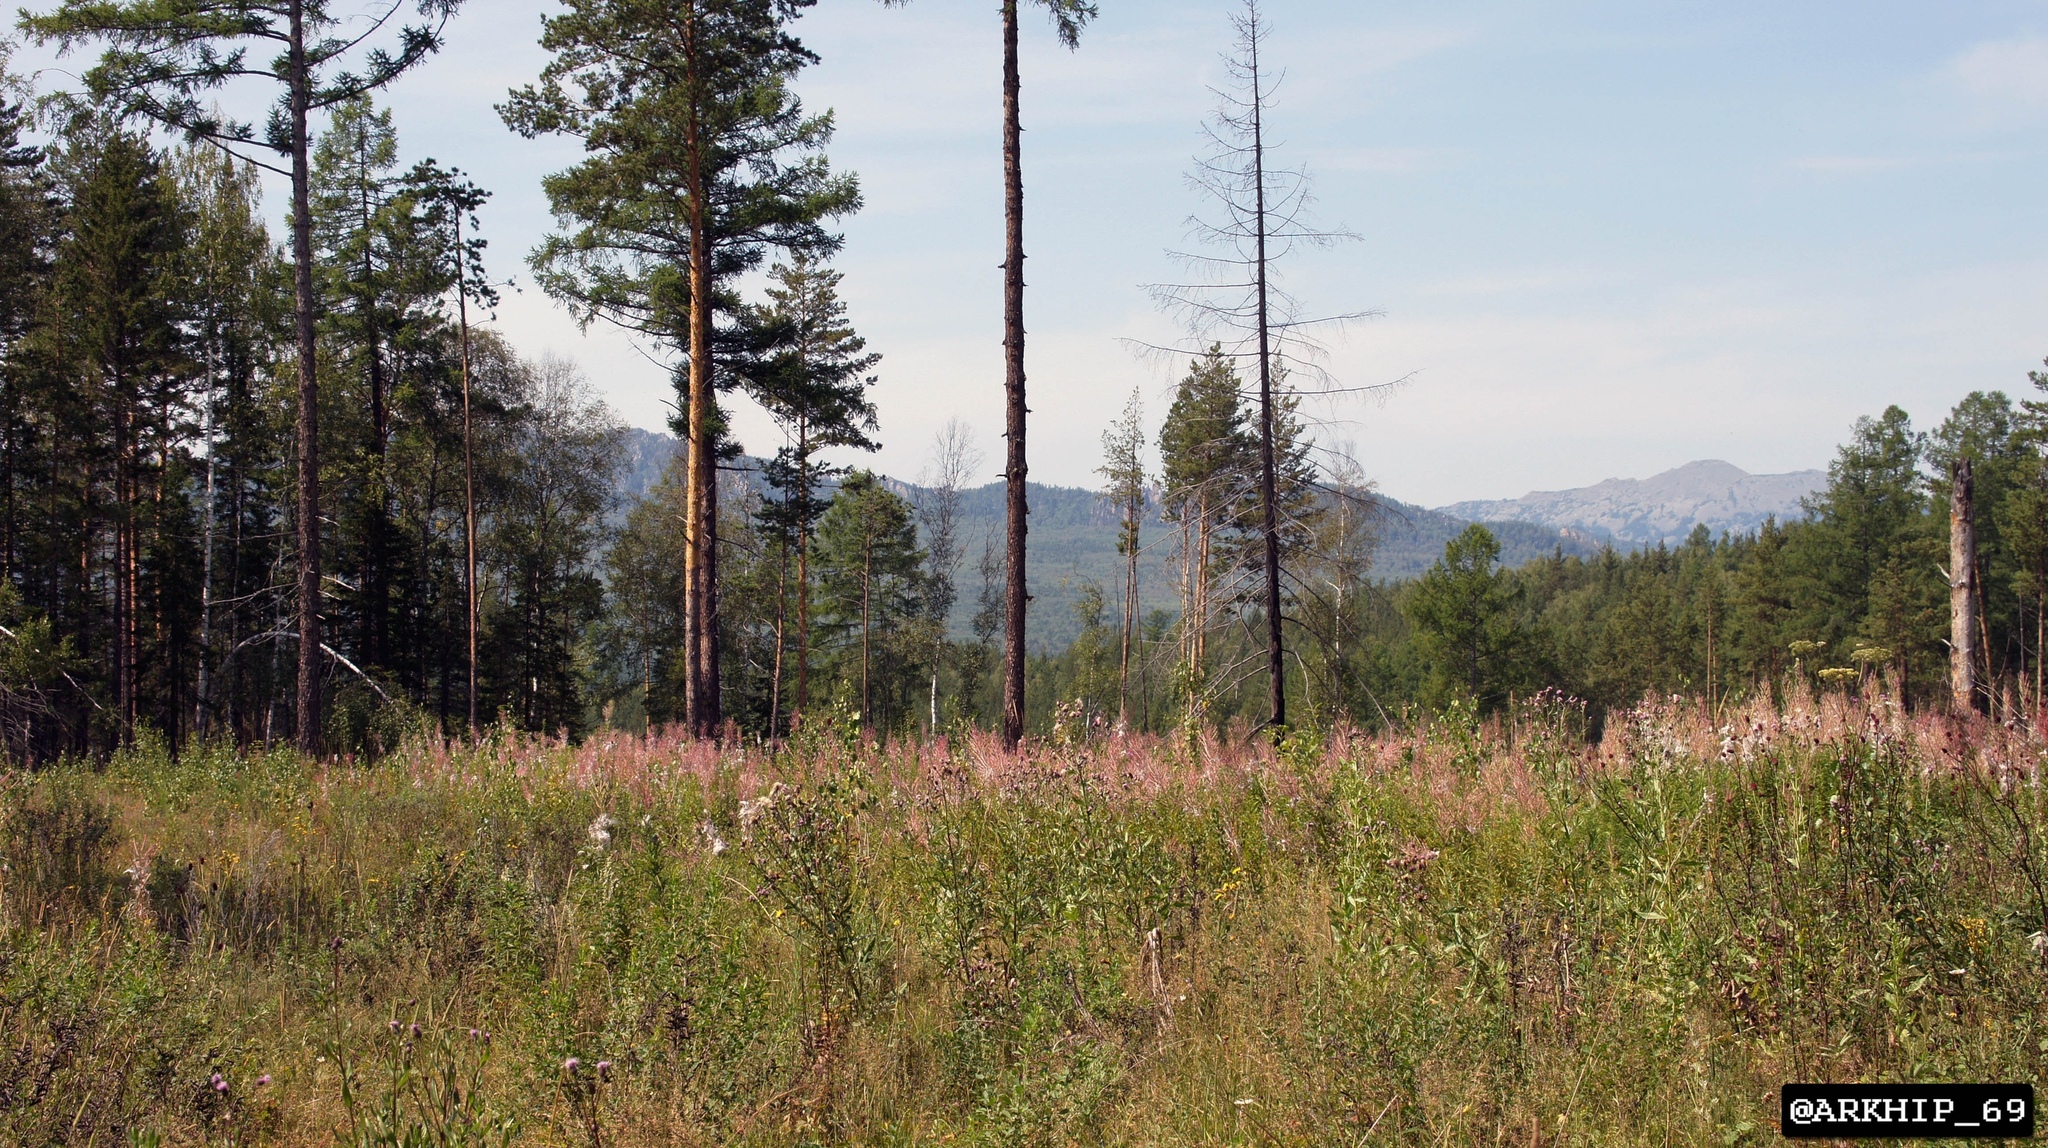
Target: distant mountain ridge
[1631, 512]
[1074, 532]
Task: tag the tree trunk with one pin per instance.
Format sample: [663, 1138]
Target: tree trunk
[1132, 512]
[124, 564]
[206, 529]
[700, 697]
[309, 398]
[468, 477]
[805, 483]
[867, 566]
[781, 626]
[1962, 588]
[376, 592]
[1018, 510]
[1268, 494]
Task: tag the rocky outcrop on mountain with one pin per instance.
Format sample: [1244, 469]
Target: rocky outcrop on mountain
[1664, 508]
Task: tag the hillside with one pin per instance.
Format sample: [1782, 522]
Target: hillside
[1073, 542]
[1663, 508]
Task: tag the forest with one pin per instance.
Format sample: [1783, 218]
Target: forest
[449, 535]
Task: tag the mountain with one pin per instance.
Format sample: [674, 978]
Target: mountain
[1074, 534]
[645, 455]
[1631, 512]
[1411, 539]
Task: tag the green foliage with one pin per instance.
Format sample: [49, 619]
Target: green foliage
[1468, 616]
[870, 587]
[428, 1091]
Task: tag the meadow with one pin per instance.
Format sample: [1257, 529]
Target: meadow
[1456, 933]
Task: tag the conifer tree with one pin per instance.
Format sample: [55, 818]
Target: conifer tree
[1068, 18]
[119, 338]
[165, 60]
[700, 161]
[353, 184]
[28, 226]
[1234, 293]
[1123, 468]
[870, 567]
[1205, 456]
[815, 385]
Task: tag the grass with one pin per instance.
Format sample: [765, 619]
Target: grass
[1458, 935]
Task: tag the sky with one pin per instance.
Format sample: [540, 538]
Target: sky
[1598, 239]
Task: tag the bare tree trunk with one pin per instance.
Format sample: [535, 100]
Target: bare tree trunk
[469, 609]
[1018, 510]
[1268, 494]
[867, 566]
[781, 621]
[124, 564]
[201, 687]
[376, 591]
[1133, 520]
[309, 397]
[700, 697]
[1962, 583]
[803, 577]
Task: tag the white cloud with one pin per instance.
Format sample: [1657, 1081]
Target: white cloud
[2007, 75]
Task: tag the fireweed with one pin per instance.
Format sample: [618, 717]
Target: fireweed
[1466, 933]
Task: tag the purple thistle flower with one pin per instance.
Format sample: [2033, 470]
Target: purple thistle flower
[263, 1079]
[220, 1083]
[571, 1064]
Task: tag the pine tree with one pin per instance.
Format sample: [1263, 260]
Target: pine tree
[1068, 18]
[1466, 611]
[700, 161]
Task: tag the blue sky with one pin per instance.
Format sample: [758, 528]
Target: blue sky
[1605, 238]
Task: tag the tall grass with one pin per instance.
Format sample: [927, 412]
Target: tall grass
[1461, 935]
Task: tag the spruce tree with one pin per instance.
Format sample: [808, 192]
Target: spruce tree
[815, 385]
[871, 582]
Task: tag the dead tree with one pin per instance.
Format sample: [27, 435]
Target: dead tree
[1234, 299]
[1963, 591]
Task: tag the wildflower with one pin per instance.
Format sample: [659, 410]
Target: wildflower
[600, 831]
[712, 840]
[263, 1080]
[604, 1068]
[220, 1083]
[394, 1028]
[571, 1064]
[415, 1028]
